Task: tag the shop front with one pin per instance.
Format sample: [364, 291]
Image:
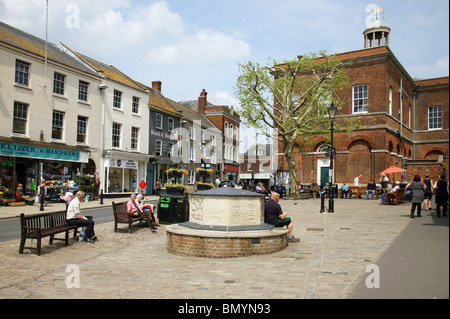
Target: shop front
[122, 175]
[24, 165]
[231, 172]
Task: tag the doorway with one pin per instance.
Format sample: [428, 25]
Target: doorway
[323, 171]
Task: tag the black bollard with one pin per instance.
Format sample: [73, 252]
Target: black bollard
[101, 197]
[322, 203]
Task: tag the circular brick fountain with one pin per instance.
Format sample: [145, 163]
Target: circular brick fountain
[225, 222]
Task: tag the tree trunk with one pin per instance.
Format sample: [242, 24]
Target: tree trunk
[292, 167]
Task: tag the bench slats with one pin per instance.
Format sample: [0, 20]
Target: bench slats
[37, 226]
[121, 216]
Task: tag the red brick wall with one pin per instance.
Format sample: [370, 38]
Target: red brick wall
[377, 145]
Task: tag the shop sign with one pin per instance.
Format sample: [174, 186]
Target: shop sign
[230, 168]
[123, 163]
[37, 151]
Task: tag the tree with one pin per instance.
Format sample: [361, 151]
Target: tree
[291, 98]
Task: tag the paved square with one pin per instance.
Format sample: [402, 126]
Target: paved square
[328, 262]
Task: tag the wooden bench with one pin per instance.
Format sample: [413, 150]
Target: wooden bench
[358, 191]
[398, 199]
[38, 226]
[121, 216]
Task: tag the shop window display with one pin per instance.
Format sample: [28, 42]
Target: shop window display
[121, 180]
[65, 177]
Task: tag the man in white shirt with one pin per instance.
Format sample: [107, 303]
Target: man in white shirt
[74, 217]
[356, 181]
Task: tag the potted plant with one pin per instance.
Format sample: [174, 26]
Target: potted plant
[176, 189]
[176, 172]
[204, 171]
[204, 186]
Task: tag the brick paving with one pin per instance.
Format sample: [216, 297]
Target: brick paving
[329, 261]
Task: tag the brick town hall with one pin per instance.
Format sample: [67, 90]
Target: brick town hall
[403, 121]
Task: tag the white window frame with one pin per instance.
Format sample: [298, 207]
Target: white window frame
[192, 133]
[116, 132]
[363, 89]
[134, 138]
[158, 152]
[435, 114]
[21, 115]
[59, 83]
[82, 125]
[191, 179]
[170, 124]
[58, 123]
[22, 73]
[135, 105]
[83, 91]
[117, 99]
[159, 121]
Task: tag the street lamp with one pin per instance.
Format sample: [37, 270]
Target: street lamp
[332, 115]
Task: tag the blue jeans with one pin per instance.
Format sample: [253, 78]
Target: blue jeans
[368, 192]
[383, 198]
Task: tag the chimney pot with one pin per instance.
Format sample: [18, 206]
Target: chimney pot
[202, 101]
[156, 85]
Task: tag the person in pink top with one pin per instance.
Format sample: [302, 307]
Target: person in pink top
[133, 207]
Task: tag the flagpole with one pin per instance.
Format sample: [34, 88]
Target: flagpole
[46, 45]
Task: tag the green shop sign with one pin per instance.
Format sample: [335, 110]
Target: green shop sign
[36, 151]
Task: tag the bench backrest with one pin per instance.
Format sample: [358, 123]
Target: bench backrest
[120, 207]
[42, 220]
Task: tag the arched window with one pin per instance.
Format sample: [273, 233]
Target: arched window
[323, 148]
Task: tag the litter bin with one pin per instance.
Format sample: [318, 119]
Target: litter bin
[173, 208]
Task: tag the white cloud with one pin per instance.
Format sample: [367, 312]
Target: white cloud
[443, 64]
[204, 46]
[223, 98]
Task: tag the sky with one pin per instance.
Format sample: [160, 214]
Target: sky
[190, 45]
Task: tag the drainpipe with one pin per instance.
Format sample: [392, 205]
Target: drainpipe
[414, 124]
[401, 118]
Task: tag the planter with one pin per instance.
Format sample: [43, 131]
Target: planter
[175, 174]
[201, 187]
[175, 190]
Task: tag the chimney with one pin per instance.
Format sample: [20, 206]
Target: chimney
[202, 102]
[156, 85]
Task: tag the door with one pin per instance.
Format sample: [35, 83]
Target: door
[324, 176]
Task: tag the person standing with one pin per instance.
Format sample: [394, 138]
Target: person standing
[384, 181]
[428, 195]
[418, 189]
[441, 195]
[142, 187]
[42, 194]
[356, 180]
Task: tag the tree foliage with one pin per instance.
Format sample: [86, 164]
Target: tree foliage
[291, 97]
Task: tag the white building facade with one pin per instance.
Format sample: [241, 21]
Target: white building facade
[49, 115]
[124, 114]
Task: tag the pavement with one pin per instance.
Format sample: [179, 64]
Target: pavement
[410, 258]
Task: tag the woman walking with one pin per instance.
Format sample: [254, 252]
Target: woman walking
[441, 196]
[418, 189]
[428, 192]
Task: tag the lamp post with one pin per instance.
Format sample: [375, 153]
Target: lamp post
[332, 114]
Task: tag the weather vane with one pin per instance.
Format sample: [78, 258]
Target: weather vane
[375, 13]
